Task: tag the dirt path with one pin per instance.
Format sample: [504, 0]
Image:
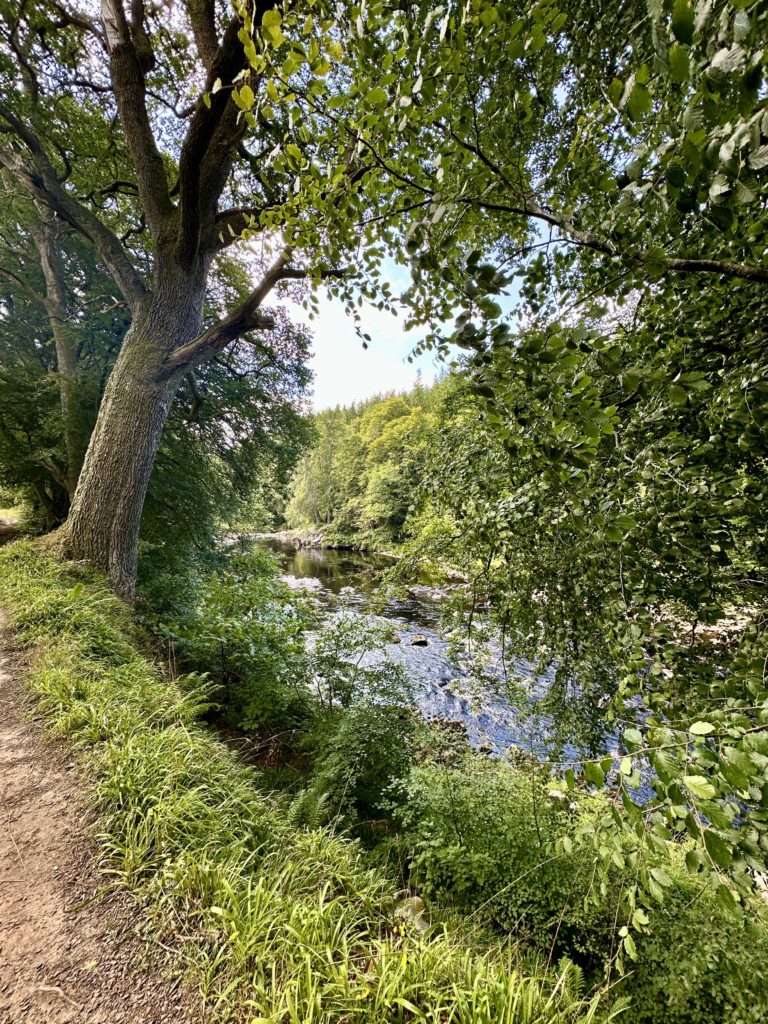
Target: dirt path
[8, 529]
[59, 966]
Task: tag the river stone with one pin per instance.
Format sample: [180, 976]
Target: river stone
[412, 911]
[419, 640]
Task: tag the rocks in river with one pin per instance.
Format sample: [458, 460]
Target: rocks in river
[395, 639]
[419, 640]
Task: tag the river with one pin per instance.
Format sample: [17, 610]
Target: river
[444, 684]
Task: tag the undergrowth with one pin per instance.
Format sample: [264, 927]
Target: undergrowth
[277, 923]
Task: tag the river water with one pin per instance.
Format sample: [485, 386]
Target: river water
[445, 684]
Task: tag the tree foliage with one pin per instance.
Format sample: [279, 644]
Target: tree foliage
[361, 477]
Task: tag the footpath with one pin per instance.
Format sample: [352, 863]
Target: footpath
[67, 954]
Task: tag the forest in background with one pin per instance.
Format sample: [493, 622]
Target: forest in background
[577, 195]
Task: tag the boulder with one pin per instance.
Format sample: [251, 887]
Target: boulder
[419, 640]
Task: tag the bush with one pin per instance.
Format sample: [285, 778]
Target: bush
[360, 741]
[247, 631]
[699, 964]
[360, 757]
[483, 835]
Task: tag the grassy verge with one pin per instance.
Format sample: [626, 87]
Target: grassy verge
[276, 923]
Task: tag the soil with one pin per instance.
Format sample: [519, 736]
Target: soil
[68, 954]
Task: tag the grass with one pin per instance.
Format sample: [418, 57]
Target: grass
[276, 923]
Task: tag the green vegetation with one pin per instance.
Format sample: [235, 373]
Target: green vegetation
[360, 479]
[575, 196]
[277, 922]
[281, 918]
[500, 844]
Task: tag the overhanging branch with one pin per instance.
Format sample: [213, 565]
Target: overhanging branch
[246, 317]
[523, 206]
[38, 178]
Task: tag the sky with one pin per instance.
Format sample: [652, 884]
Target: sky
[345, 372]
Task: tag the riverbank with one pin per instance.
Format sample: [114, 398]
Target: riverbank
[330, 541]
[327, 539]
[273, 920]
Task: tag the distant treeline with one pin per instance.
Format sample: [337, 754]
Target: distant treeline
[363, 476]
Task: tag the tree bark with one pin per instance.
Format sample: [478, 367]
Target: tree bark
[65, 340]
[103, 523]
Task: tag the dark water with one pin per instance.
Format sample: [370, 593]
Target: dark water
[445, 685]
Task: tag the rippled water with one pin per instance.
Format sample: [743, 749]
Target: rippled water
[444, 687]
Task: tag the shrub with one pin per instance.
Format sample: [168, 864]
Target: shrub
[247, 631]
[699, 964]
[360, 741]
[483, 835]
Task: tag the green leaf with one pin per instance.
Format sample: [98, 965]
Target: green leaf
[717, 849]
[699, 786]
[594, 773]
[660, 875]
[640, 919]
[633, 738]
[244, 97]
[679, 63]
[639, 102]
[377, 97]
[683, 22]
[701, 728]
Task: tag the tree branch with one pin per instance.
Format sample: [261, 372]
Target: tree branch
[130, 56]
[527, 208]
[41, 183]
[202, 18]
[228, 62]
[246, 317]
[27, 288]
[229, 226]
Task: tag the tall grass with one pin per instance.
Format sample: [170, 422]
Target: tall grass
[276, 923]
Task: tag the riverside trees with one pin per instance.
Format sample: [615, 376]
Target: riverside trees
[129, 124]
[606, 166]
[465, 126]
[608, 159]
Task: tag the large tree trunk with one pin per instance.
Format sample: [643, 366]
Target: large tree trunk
[103, 523]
